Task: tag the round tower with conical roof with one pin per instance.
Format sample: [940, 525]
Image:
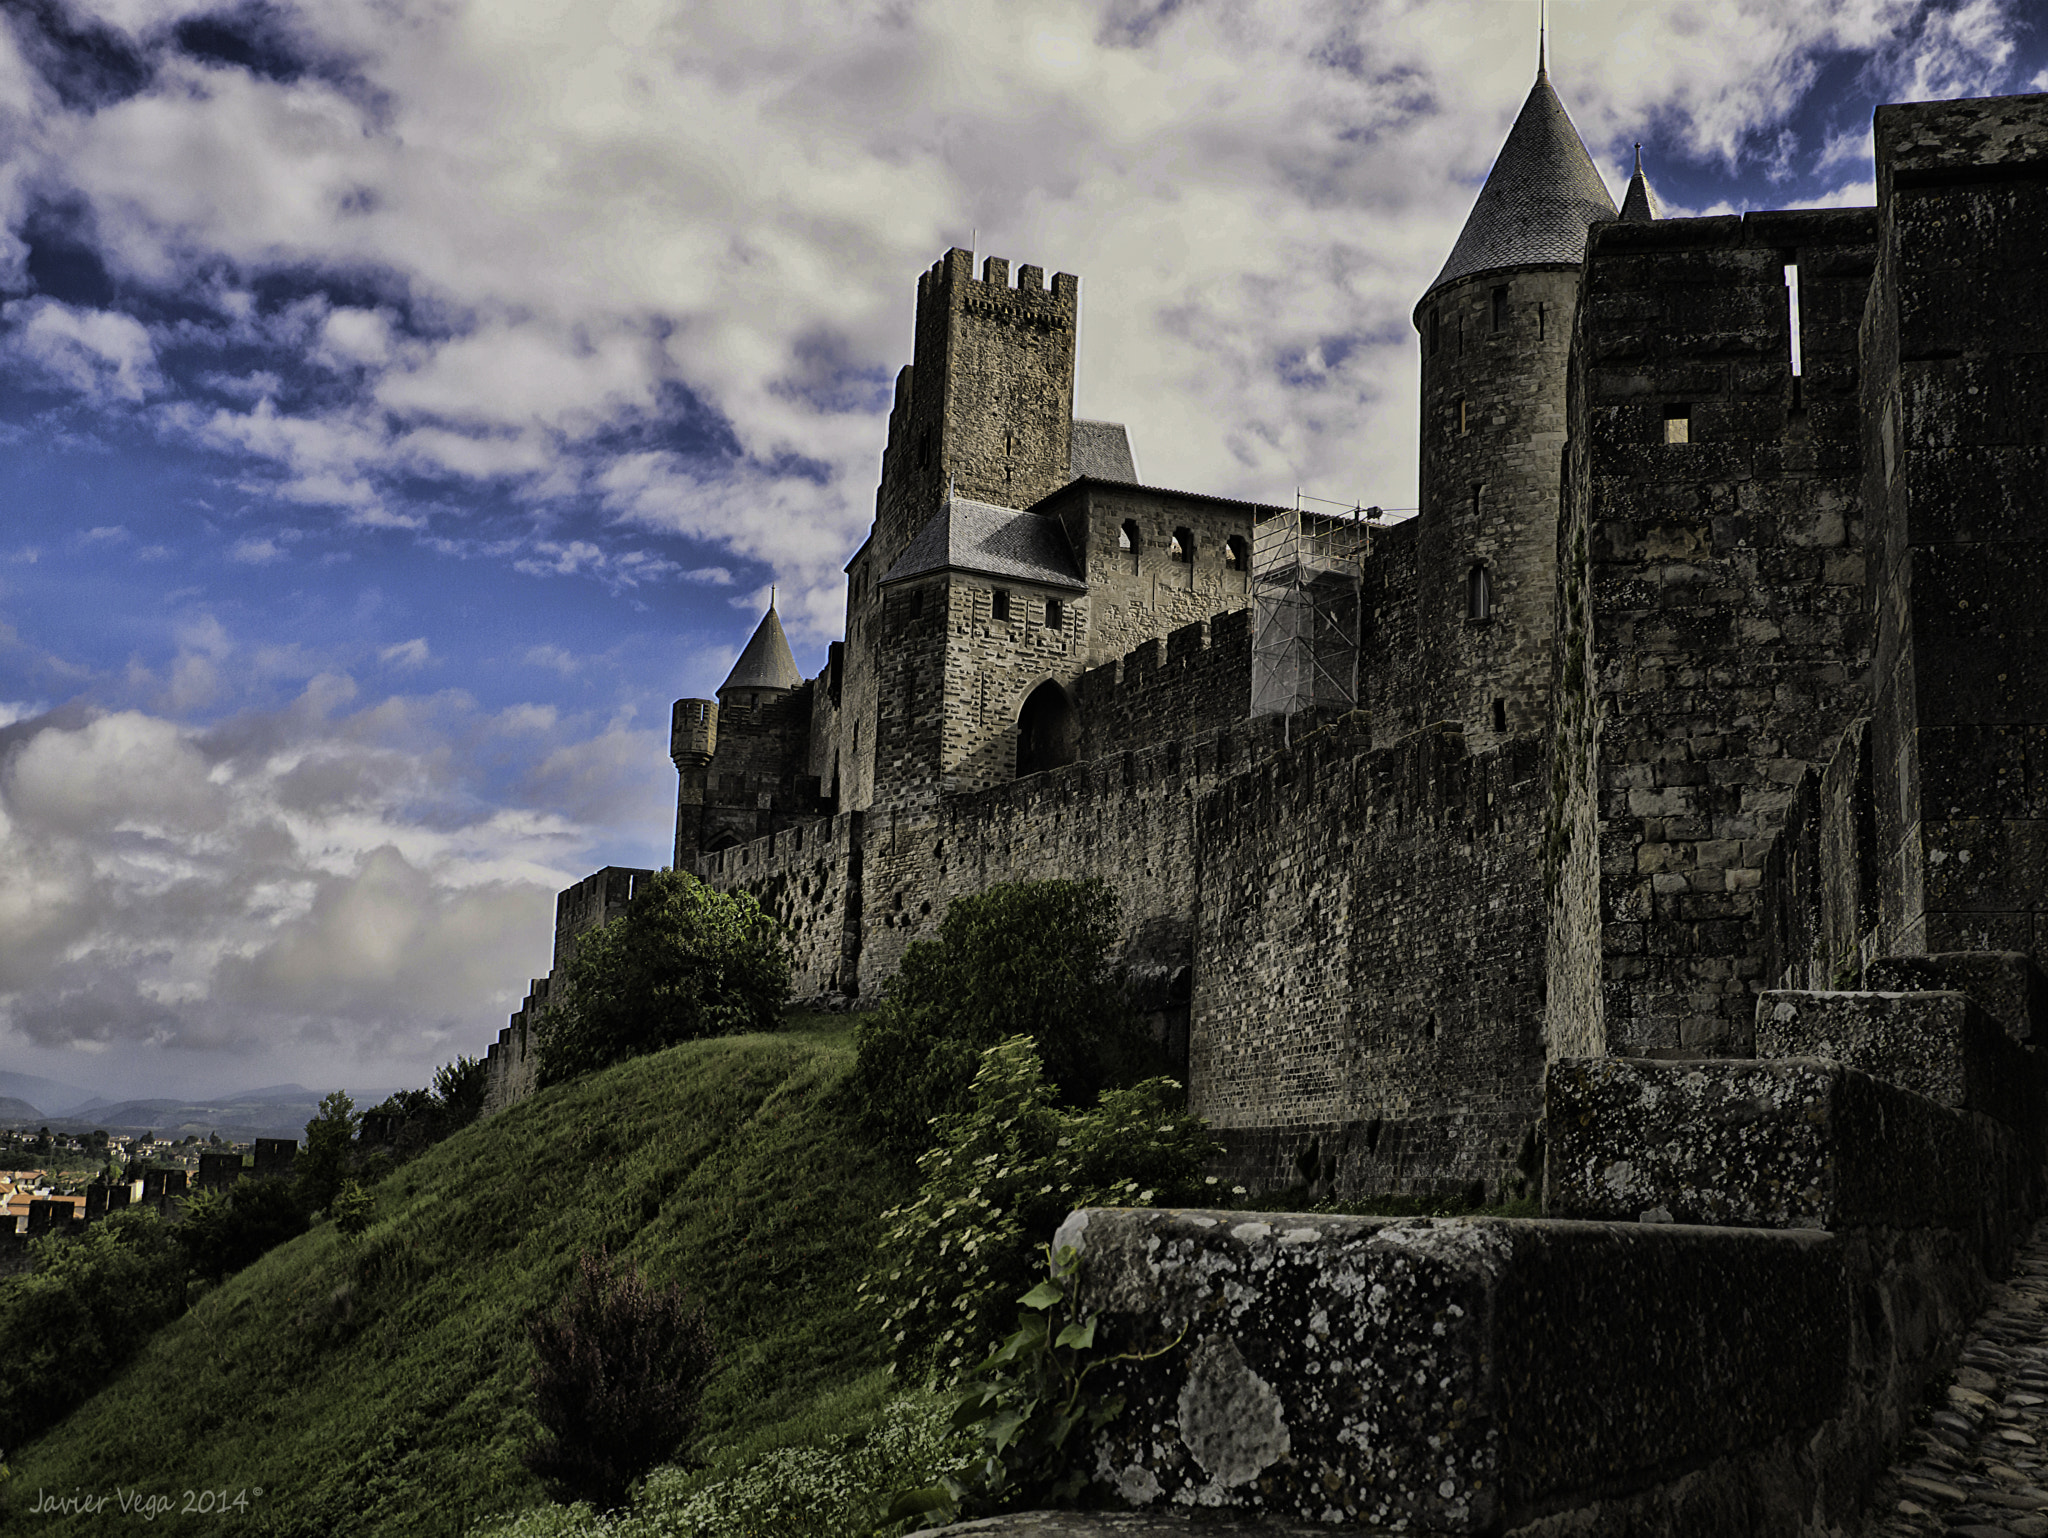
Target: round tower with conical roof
[1495, 329]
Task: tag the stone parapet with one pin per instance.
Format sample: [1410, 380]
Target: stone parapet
[1448, 1375]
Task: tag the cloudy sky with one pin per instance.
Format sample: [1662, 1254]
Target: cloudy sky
[402, 401]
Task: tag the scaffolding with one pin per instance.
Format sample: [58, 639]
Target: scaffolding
[1307, 589]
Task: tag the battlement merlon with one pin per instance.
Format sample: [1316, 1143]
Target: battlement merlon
[955, 270]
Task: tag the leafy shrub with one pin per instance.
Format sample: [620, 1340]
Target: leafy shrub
[355, 1209]
[223, 1231]
[682, 962]
[621, 1366]
[459, 1092]
[87, 1307]
[1002, 1177]
[1033, 958]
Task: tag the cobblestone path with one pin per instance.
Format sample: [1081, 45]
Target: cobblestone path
[1978, 1467]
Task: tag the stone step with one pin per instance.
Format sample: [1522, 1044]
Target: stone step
[2006, 984]
[1941, 1045]
[1753, 1143]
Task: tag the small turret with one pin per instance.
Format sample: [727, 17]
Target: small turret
[693, 734]
[1639, 205]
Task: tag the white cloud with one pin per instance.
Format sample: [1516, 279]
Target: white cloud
[255, 551]
[731, 200]
[103, 355]
[407, 654]
[319, 883]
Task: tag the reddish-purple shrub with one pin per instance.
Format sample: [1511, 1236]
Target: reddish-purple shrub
[621, 1365]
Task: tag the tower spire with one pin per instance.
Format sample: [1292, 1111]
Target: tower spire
[1542, 39]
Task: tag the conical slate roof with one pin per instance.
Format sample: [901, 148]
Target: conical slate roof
[1639, 205]
[766, 663]
[1538, 200]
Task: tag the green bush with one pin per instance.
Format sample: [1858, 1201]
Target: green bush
[621, 1366]
[1032, 958]
[459, 1092]
[1001, 1179]
[89, 1305]
[223, 1231]
[837, 1488]
[683, 962]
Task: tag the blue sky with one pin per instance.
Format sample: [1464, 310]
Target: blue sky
[403, 401]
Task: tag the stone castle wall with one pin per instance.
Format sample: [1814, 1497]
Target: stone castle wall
[1718, 501]
[1369, 986]
[1955, 422]
[1196, 682]
[808, 878]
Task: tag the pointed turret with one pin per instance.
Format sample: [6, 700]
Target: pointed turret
[766, 666]
[1541, 196]
[1496, 326]
[1639, 205]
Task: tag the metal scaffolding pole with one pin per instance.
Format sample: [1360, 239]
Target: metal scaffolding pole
[1307, 590]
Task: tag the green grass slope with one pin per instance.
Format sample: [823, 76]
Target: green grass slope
[381, 1388]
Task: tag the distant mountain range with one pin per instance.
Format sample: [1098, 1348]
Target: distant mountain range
[275, 1110]
[46, 1096]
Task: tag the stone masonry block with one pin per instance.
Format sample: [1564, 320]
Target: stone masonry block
[2005, 984]
[1445, 1375]
[1941, 1045]
[1789, 1143]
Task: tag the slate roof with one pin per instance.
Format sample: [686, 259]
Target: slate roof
[1542, 194]
[1639, 205]
[766, 663]
[1101, 450]
[992, 542]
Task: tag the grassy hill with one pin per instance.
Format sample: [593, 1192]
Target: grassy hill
[381, 1387]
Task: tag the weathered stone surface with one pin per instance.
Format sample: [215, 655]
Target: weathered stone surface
[1454, 1374]
[1941, 1045]
[2006, 984]
[1789, 1143]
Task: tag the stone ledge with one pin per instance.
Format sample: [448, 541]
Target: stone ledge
[1449, 1375]
[1941, 1045]
[1785, 1143]
[2006, 984]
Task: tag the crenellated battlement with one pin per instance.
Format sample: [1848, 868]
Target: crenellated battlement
[993, 295]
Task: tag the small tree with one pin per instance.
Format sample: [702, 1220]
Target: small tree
[1032, 958]
[683, 962]
[322, 1164]
[621, 1366]
[459, 1091]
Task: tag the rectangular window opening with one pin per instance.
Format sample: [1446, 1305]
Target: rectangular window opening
[999, 603]
[1055, 614]
[1792, 308]
[1678, 423]
[1500, 308]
